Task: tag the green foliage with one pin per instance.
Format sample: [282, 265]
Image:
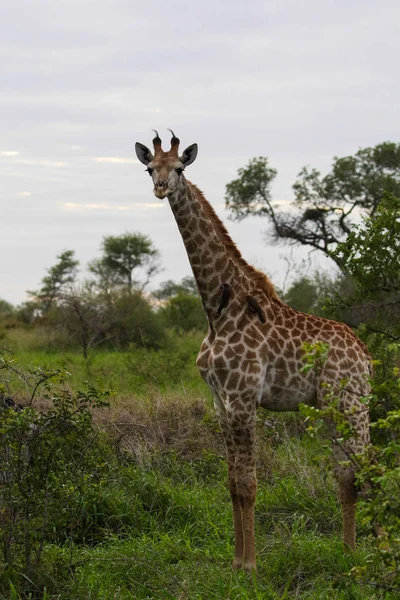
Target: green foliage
[371, 256]
[249, 194]
[164, 367]
[171, 288]
[302, 295]
[371, 251]
[377, 471]
[6, 310]
[51, 462]
[360, 180]
[81, 317]
[314, 294]
[381, 507]
[324, 206]
[59, 276]
[87, 319]
[123, 255]
[136, 323]
[184, 312]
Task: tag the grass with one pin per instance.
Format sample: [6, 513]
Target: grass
[138, 370]
[160, 525]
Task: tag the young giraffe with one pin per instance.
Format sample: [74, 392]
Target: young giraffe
[253, 352]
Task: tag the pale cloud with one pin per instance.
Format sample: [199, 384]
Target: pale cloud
[42, 163]
[91, 206]
[9, 153]
[115, 159]
[25, 194]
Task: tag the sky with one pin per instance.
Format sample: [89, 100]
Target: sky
[83, 80]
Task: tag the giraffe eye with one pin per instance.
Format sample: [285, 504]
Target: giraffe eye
[179, 170]
[149, 170]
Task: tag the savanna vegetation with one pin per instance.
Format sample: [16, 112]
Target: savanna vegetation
[113, 477]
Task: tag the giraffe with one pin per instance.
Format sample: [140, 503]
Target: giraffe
[253, 352]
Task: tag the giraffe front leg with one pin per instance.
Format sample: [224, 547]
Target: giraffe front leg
[247, 487]
[243, 493]
[238, 426]
[237, 513]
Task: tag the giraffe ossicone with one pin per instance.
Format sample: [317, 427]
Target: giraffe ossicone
[253, 352]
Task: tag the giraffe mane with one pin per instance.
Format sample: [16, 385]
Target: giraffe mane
[254, 274]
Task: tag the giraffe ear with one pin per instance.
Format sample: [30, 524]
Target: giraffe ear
[189, 155]
[143, 153]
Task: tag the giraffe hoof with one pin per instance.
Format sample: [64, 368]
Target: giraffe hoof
[237, 564]
[349, 547]
[250, 568]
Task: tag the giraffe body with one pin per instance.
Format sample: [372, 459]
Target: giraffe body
[253, 352]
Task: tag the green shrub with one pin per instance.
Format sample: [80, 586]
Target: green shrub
[184, 312]
[51, 462]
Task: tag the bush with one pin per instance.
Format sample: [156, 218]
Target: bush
[52, 462]
[184, 312]
[136, 323]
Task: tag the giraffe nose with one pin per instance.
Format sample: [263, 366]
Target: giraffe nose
[161, 184]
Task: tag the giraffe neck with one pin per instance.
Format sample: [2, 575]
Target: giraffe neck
[213, 256]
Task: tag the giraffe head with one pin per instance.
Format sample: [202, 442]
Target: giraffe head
[165, 168]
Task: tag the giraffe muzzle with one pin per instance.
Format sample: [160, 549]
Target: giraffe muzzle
[161, 189]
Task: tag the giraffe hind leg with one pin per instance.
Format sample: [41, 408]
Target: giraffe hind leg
[237, 512]
[348, 499]
[346, 466]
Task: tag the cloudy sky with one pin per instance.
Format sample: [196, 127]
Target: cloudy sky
[83, 80]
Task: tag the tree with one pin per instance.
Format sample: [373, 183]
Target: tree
[371, 256]
[184, 312]
[171, 288]
[122, 257]
[315, 293]
[135, 322]
[63, 273]
[7, 310]
[324, 207]
[249, 194]
[302, 295]
[84, 317]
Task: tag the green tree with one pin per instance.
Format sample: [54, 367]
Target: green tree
[60, 275]
[6, 309]
[315, 293]
[7, 315]
[371, 256]
[324, 206]
[171, 288]
[135, 322]
[123, 257]
[184, 312]
[302, 295]
[83, 315]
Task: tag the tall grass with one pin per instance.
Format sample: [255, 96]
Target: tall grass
[135, 371]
